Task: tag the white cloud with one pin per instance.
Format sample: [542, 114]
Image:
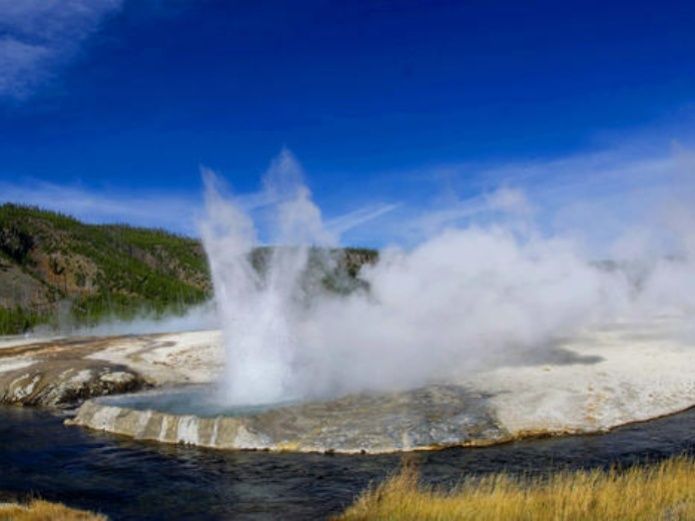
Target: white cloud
[611, 202]
[356, 218]
[595, 197]
[38, 37]
[174, 212]
[504, 201]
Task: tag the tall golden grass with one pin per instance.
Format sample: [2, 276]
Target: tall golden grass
[39, 510]
[659, 492]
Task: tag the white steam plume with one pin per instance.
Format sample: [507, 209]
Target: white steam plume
[259, 312]
[465, 298]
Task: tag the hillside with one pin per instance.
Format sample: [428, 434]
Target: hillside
[56, 270]
[52, 264]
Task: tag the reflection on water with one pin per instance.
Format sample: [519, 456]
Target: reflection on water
[140, 480]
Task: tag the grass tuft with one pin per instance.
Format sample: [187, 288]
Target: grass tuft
[663, 492]
[39, 510]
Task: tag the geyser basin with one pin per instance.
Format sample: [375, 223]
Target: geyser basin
[604, 378]
[426, 418]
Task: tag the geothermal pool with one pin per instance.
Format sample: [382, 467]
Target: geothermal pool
[133, 480]
[203, 401]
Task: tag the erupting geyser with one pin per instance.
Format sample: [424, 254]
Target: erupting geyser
[482, 333]
[468, 298]
[258, 306]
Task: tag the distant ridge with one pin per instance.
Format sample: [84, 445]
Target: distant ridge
[56, 269]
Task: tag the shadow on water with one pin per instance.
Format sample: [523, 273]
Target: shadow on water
[137, 480]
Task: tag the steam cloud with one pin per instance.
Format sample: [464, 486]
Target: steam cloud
[467, 297]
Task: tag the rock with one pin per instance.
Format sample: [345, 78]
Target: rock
[65, 382]
[432, 417]
[61, 372]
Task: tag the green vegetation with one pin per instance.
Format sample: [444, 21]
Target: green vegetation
[99, 270]
[57, 270]
[18, 320]
[665, 491]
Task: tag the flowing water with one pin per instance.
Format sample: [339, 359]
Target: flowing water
[132, 480]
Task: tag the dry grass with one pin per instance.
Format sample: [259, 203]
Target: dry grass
[663, 492]
[39, 510]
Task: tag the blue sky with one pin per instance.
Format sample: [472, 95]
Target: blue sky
[396, 110]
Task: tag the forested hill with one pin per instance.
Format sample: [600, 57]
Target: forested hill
[50, 262]
[54, 268]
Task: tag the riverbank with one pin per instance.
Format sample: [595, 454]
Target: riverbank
[659, 492]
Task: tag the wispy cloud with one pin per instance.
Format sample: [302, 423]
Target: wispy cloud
[502, 201]
[38, 37]
[594, 197]
[174, 212]
[346, 222]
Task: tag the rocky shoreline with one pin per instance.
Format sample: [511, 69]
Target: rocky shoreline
[63, 372]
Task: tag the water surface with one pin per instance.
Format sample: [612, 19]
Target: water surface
[203, 401]
[134, 480]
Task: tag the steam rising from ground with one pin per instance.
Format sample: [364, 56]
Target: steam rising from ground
[195, 318]
[468, 297]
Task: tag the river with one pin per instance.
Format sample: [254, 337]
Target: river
[131, 480]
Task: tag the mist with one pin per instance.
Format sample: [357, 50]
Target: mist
[467, 297]
[195, 318]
